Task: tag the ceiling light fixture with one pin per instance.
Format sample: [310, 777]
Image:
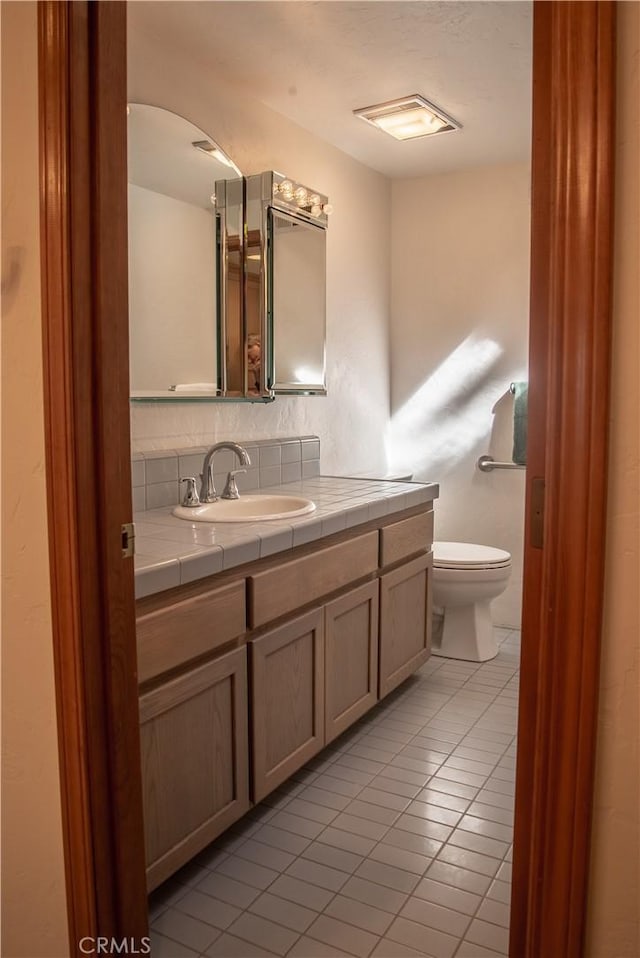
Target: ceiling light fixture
[205, 146]
[408, 118]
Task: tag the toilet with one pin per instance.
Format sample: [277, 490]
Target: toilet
[466, 577]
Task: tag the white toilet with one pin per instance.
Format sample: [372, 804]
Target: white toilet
[466, 577]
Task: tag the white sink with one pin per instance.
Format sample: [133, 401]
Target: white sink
[249, 508]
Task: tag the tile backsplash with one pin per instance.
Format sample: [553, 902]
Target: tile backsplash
[155, 476]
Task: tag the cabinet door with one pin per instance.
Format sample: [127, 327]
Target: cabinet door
[287, 699]
[351, 651]
[193, 733]
[405, 621]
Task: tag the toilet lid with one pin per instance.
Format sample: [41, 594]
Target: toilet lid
[468, 555]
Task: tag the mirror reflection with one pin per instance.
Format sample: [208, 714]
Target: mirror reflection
[297, 306]
[172, 170]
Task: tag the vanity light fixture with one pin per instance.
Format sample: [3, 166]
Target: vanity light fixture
[205, 146]
[305, 200]
[408, 118]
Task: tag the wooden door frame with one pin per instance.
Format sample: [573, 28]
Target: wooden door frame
[569, 370]
[83, 161]
[83, 166]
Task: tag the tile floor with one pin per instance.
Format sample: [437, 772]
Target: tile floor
[395, 841]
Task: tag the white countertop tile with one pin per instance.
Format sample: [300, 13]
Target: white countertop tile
[172, 551]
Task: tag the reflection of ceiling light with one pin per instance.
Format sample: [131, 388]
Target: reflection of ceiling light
[254, 256]
[409, 117]
[205, 146]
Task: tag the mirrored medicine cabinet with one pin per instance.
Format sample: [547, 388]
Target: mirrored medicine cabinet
[227, 274]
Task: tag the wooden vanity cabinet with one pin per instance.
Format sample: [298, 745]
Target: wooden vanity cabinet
[311, 678]
[318, 636]
[194, 745]
[405, 621]
[287, 699]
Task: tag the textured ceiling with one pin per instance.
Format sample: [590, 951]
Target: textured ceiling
[315, 62]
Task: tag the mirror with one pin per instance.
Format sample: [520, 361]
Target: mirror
[173, 296]
[285, 286]
[297, 304]
[227, 273]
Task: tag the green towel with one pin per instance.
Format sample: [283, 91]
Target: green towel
[521, 391]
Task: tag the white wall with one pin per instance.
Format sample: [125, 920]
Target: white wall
[34, 920]
[351, 420]
[172, 291]
[459, 337]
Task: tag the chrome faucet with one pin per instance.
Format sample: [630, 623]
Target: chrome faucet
[207, 489]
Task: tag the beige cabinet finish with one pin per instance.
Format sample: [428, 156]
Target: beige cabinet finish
[170, 635]
[351, 658]
[322, 635]
[406, 538]
[405, 621]
[194, 744]
[282, 589]
[287, 700]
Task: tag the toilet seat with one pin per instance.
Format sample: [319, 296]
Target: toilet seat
[468, 555]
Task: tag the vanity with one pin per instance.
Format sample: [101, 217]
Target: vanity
[259, 643]
[246, 674]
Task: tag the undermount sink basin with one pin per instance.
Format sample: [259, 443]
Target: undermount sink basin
[249, 508]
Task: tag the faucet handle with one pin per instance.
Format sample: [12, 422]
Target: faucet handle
[191, 497]
[231, 489]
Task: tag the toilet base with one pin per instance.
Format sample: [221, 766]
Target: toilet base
[466, 632]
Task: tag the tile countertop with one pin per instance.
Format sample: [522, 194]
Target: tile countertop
[172, 551]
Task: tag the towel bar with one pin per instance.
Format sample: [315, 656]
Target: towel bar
[488, 464]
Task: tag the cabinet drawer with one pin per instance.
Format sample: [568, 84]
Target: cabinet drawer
[289, 586]
[173, 634]
[406, 538]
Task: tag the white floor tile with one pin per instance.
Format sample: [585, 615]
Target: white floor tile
[316, 874]
[360, 914]
[394, 842]
[228, 890]
[370, 893]
[415, 935]
[436, 916]
[489, 936]
[354, 941]
[228, 946]
[358, 844]
[310, 948]
[396, 878]
[185, 929]
[247, 872]
[266, 934]
[262, 854]
[333, 857]
[287, 913]
[302, 893]
[495, 912]
[447, 895]
[278, 838]
[207, 909]
[162, 947]
[393, 949]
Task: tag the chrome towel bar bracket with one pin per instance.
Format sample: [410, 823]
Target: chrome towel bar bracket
[488, 464]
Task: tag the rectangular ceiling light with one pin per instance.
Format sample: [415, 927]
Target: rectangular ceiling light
[409, 117]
